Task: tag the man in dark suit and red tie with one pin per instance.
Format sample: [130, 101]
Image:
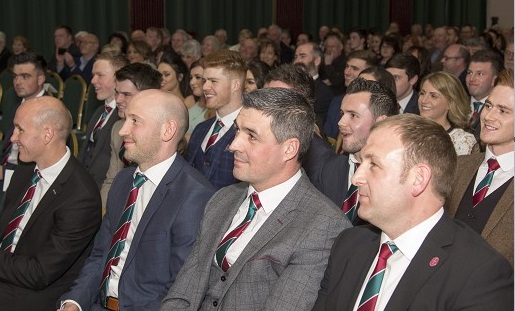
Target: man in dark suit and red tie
[415, 257]
[482, 195]
[152, 216]
[52, 211]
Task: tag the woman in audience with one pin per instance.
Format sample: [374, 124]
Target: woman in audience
[120, 40]
[422, 54]
[270, 53]
[140, 52]
[443, 100]
[191, 51]
[20, 45]
[256, 73]
[389, 46]
[174, 71]
[197, 111]
[210, 45]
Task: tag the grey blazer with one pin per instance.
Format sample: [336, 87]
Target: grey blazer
[281, 267]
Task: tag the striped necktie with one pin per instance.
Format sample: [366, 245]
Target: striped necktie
[121, 155]
[102, 119]
[118, 241]
[19, 212]
[369, 298]
[484, 184]
[223, 247]
[475, 113]
[351, 204]
[214, 135]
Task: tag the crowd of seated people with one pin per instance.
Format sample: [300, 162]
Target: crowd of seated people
[221, 152]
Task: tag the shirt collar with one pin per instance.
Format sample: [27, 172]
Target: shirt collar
[156, 173]
[111, 104]
[410, 241]
[404, 102]
[41, 93]
[228, 120]
[50, 173]
[272, 197]
[506, 161]
[473, 99]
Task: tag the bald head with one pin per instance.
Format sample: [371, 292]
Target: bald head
[49, 111]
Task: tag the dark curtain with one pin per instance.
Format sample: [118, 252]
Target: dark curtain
[203, 17]
[345, 15]
[450, 12]
[36, 19]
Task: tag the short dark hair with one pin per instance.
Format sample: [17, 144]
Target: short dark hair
[405, 61]
[143, 76]
[259, 70]
[292, 115]
[67, 28]
[295, 76]
[489, 56]
[31, 58]
[368, 56]
[425, 141]
[382, 76]
[393, 42]
[382, 100]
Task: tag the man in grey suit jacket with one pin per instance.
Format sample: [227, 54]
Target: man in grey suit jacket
[492, 217]
[162, 224]
[275, 260]
[419, 259]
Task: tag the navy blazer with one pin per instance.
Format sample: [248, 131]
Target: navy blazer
[323, 98]
[163, 239]
[454, 269]
[96, 159]
[412, 106]
[333, 178]
[333, 116]
[55, 242]
[217, 165]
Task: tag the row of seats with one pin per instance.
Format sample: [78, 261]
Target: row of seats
[76, 95]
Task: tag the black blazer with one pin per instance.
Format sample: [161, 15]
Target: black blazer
[55, 242]
[469, 274]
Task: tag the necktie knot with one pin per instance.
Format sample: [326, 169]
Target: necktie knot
[493, 165]
[108, 109]
[139, 179]
[387, 250]
[36, 177]
[477, 106]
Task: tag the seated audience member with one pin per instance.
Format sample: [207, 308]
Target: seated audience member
[63, 39]
[420, 258]
[455, 61]
[111, 48]
[381, 75]
[174, 72]
[439, 44]
[221, 35]
[249, 49]
[482, 71]
[274, 34]
[304, 37]
[405, 69]
[256, 74]
[140, 52]
[83, 64]
[130, 80]
[358, 39]
[389, 47]
[198, 112]
[482, 194]
[422, 55]
[191, 52]
[178, 38]
[270, 53]
[443, 100]
[283, 249]
[242, 35]
[120, 40]
[356, 62]
[210, 45]
[51, 212]
[333, 65]
[137, 35]
[157, 206]
[95, 151]
[20, 45]
[291, 76]
[224, 76]
[154, 38]
[309, 57]
[508, 56]
[365, 103]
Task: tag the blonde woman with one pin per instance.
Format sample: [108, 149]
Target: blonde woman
[443, 100]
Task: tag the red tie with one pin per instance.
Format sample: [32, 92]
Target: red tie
[10, 230]
[214, 135]
[484, 185]
[102, 119]
[351, 204]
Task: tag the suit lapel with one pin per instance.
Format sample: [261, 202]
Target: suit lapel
[466, 170]
[52, 193]
[420, 270]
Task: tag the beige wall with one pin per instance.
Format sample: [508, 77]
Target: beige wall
[502, 9]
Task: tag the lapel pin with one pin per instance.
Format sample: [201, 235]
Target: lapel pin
[434, 261]
[54, 191]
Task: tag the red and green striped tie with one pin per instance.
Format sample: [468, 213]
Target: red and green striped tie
[223, 247]
[118, 241]
[484, 184]
[351, 204]
[19, 212]
[369, 298]
[214, 135]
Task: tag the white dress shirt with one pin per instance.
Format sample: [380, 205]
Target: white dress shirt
[48, 176]
[501, 175]
[408, 245]
[270, 199]
[111, 104]
[228, 121]
[404, 102]
[352, 168]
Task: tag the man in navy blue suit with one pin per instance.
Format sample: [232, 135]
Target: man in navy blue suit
[224, 73]
[133, 268]
[405, 69]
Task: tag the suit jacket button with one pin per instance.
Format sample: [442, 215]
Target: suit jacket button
[470, 216]
[215, 303]
[223, 278]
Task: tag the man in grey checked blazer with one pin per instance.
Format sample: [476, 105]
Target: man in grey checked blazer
[279, 259]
